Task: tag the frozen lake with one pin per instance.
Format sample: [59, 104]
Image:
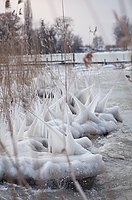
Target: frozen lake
[116, 149]
[98, 57]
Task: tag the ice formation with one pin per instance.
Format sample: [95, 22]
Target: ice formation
[56, 124]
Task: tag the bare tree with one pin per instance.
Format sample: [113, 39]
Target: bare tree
[98, 43]
[76, 43]
[63, 27]
[67, 41]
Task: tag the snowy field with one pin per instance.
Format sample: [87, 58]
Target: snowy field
[96, 113]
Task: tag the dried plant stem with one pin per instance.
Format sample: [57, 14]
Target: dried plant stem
[76, 183]
[65, 50]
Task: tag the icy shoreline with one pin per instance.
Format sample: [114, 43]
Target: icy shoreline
[87, 163]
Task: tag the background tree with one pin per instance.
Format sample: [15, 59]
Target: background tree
[66, 40]
[28, 26]
[10, 28]
[46, 39]
[77, 43]
[98, 43]
[122, 31]
[63, 28]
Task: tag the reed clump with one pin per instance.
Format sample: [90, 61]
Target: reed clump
[18, 69]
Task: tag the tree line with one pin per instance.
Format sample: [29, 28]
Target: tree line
[21, 38]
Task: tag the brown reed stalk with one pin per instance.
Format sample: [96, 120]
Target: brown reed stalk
[87, 59]
[76, 183]
[125, 40]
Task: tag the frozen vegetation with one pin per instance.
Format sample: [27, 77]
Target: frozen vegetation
[52, 122]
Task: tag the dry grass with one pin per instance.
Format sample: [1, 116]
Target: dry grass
[125, 40]
[15, 81]
[87, 59]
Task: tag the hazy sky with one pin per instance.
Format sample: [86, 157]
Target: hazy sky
[85, 14]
